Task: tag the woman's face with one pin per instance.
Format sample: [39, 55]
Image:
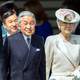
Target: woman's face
[11, 23]
[67, 28]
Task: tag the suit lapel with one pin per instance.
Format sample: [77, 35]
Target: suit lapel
[24, 50]
[31, 52]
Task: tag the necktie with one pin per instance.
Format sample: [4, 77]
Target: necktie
[28, 41]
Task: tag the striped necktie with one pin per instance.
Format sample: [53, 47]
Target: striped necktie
[28, 41]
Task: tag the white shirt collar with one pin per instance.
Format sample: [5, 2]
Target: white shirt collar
[8, 34]
[25, 37]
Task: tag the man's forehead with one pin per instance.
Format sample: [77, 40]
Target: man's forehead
[27, 18]
[12, 17]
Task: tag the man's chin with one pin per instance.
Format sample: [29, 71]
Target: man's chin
[15, 30]
[28, 34]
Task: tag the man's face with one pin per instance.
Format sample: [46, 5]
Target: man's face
[11, 23]
[27, 25]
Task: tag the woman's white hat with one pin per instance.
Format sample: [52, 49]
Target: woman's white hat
[67, 15]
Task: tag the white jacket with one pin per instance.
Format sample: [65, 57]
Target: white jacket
[62, 57]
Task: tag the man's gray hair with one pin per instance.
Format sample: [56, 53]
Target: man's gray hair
[25, 13]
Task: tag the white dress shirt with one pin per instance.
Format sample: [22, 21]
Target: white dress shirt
[25, 37]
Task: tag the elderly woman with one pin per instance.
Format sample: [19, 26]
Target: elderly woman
[63, 49]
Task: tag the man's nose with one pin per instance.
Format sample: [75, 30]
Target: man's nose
[14, 23]
[28, 26]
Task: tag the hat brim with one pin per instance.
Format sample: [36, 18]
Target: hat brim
[61, 16]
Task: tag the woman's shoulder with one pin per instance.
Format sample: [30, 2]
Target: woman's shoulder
[52, 37]
[76, 38]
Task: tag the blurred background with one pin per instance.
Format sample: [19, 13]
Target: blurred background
[50, 6]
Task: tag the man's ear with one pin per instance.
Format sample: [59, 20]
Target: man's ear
[19, 21]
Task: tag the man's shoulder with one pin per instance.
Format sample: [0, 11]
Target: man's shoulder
[15, 35]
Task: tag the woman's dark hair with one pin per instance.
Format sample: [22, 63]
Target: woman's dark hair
[36, 7]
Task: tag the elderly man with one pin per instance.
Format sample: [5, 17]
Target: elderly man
[25, 51]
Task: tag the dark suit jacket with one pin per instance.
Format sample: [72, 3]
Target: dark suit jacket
[2, 66]
[25, 64]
